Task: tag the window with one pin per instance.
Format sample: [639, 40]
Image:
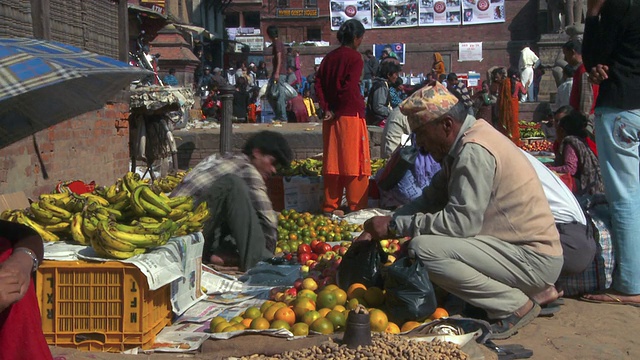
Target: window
[252, 19]
[232, 20]
[283, 3]
[311, 3]
[314, 34]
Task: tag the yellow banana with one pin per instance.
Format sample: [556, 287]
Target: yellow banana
[135, 202]
[108, 252]
[111, 192]
[110, 211]
[95, 198]
[122, 205]
[76, 229]
[131, 181]
[201, 213]
[148, 195]
[59, 227]
[38, 212]
[178, 200]
[6, 214]
[44, 234]
[110, 241]
[89, 226]
[177, 214]
[54, 196]
[186, 206]
[56, 210]
[148, 220]
[146, 228]
[119, 196]
[138, 240]
[139, 251]
[153, 210]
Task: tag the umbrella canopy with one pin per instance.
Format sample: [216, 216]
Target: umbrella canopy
[43, 83]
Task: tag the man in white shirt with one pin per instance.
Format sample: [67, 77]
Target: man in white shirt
[576, 233]
[528, 61]
[564, 90]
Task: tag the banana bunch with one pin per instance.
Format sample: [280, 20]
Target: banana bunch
[377, 164]
[21, 217]
[304, 167]
[120, 241]
[193, 221]
[169, 182]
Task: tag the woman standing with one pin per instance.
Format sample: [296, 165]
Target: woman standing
[507, 123]
[438, 65]
[347, 163]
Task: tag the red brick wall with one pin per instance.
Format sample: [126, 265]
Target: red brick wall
[501, 42]
[92, 146]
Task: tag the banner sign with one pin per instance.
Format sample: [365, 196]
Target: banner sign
[482, 11]
[342, 11]
[297, 13]
[255, 43]
[397, 50]
[408, 13]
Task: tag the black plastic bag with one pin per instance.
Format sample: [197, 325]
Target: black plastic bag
[273, 90]
[362, 263]
[409, 292]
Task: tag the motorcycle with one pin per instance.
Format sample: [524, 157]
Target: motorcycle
[141, 58]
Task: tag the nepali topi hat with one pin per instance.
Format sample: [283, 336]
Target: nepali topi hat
[427, 104]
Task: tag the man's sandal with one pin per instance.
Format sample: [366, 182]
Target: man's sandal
[509, 326]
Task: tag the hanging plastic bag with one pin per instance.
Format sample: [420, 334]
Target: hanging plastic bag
[409, 292]
[273, 90]
[362, 263]
[289, 91]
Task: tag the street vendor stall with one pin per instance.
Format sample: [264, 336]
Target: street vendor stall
[155, 112]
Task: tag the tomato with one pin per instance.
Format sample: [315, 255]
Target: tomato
[304, 257]
[323, 248]
[304, 248]
[336, 248]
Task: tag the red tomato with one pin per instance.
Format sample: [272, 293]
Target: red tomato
[304, 248]
[323, 248]
[304, 257]
[336, 248]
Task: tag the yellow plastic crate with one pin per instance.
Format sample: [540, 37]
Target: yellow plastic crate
[100, 306]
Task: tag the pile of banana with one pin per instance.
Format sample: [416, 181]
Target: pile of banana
[169, 182]
[120, 221]
[313, 167]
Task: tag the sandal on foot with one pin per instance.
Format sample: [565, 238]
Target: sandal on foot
[615, 300]
[509, 326]
[548, 310]
[509, 351]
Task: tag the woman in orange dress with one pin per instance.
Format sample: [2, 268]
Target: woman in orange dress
[507, 106]
[438, 65]
[346, 157]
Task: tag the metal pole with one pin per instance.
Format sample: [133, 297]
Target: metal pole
[226, 94]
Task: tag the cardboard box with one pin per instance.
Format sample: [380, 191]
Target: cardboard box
[13, 201]
[301, 193]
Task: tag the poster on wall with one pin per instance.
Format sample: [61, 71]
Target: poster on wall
[482, 11]
[395, 13]
[470, 51]
[440, 12]
[342, 11]
[397, 49]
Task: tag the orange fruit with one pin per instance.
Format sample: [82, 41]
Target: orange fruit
[352, 304]
[378, 320]
[246, 322]
[324, 311]
[271, 311]
[356, 292]
[322, 325]
[331, 287]
[280, 324]
[439, 313]
[339, 308]
[310, 317]
[265, 305]
[302, 305]
[215, 321]
[374, 296]
[300, 329]
[341, 296]
[220, 326]
[337, 318]
[259, 323]
[252, 312]
[409, 325]
[326, 299]
[285, 314]
[392, 328]
[235, 320]
[308, 294]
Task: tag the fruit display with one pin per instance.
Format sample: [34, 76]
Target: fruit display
[538, 145]
[530, 129]
[313, 167]
[310, 306]
[120, 221]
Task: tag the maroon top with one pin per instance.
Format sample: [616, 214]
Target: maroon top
[278, 47]
[338, 82]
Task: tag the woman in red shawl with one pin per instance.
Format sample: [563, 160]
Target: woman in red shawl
[507, 107]
[20, 324]
[346, 158]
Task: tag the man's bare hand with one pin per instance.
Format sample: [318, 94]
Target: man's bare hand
[599, 73]
[11, 289]
[365, 236]
[378, 227]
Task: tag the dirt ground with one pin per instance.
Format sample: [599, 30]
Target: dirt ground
[580, 330]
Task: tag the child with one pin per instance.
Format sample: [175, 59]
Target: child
[311, 107]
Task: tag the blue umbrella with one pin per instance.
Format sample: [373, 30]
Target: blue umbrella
[43, 83]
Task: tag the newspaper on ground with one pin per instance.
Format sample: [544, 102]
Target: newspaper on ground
[360, 216]
[185, 337]
[283, 333]
[216, 282]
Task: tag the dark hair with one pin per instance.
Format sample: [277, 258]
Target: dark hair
[573, 45]
[451, 77]
[563, 110]
[568, 70]
[272, 31]
[389, 67]
[242, 83]
[289, 50]
[442, 77]
[270, 143]
[349, 31]
[398, 82]
[292, 68]
[368, 52]
[574, 124]
[172, 71]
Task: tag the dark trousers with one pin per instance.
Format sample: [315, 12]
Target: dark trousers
[234, 227]
[578, 247]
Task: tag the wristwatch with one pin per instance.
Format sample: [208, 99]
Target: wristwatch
[30, 253]
[393, 227]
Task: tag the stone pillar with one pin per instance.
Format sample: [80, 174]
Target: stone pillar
[226, 94]
[550, 53]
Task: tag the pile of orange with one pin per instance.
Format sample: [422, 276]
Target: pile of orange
[296, 228]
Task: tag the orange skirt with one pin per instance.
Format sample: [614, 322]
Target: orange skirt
[346, 147]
